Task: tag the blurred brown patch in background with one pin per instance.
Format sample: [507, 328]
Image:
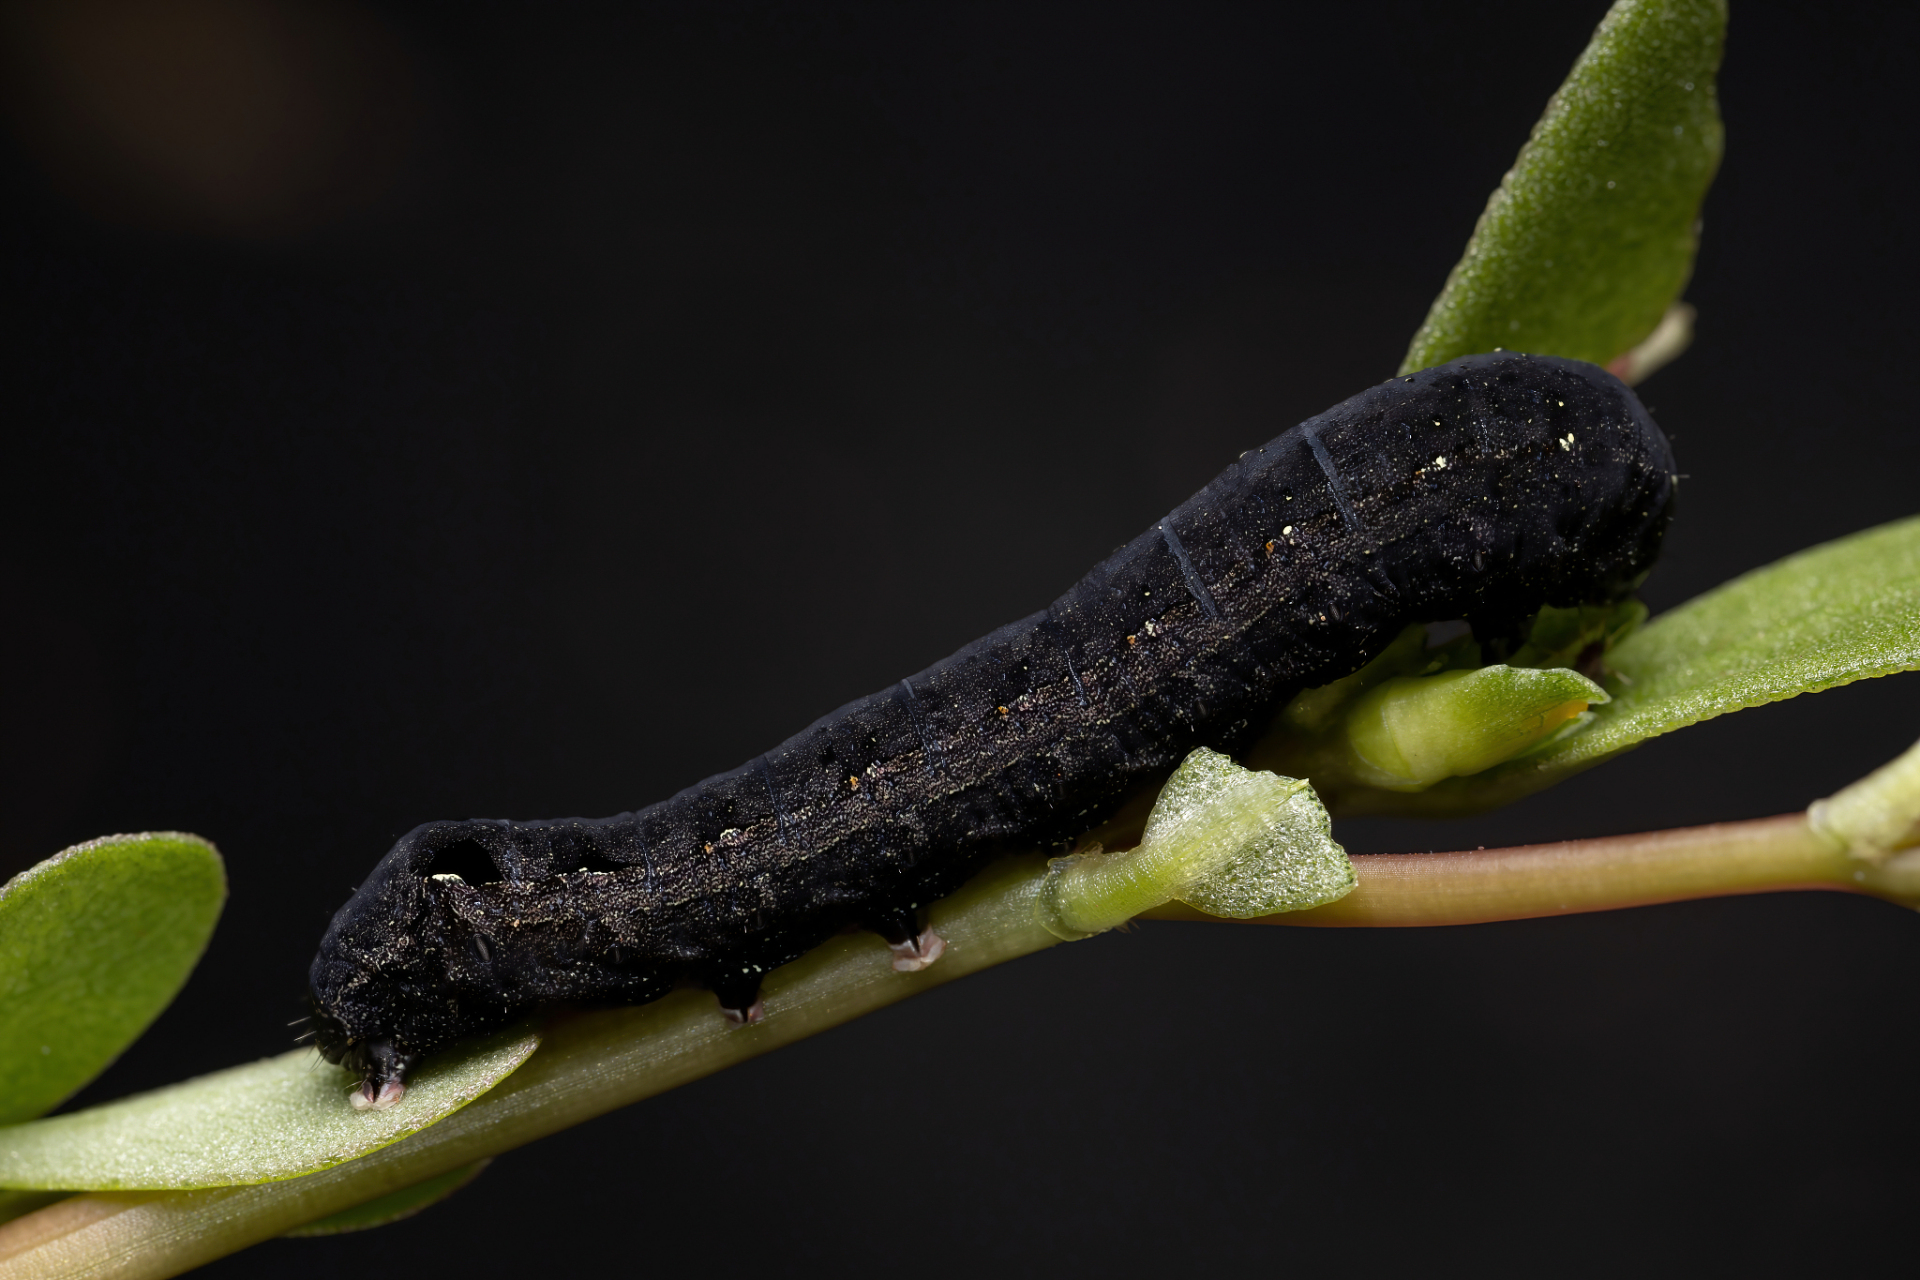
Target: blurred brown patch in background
[260, 119]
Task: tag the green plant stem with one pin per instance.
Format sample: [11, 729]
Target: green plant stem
[588, 1064]
[16, 1203]
[593, 1063]
[1766, 855]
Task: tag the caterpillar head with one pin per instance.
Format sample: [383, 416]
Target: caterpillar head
[384, 986]
[382, 1064]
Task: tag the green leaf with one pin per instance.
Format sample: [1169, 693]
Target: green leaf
[1227, 840]
[270, 1120]
[94, 943]
[1592, 232]
[395, 1205]
[1845, 611]
[1276, 850]
[1413, 731]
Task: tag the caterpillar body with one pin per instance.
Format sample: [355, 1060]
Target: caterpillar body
[1480, 489]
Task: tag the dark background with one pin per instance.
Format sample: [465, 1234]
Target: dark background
[433, 411]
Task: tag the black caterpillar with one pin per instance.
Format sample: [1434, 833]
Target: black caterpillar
[1482, 489]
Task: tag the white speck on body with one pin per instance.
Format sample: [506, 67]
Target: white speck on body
[1440, 461]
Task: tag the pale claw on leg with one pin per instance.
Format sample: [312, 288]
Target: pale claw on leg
[391, 1091]
[746, 1017]
[916, 954]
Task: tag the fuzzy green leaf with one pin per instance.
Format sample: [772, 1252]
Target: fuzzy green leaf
[1231, 841]
[1845, 611]
[278, 1118]
[1592, 232]
[94, 943]
[1275, 849]
[395, 1205]
[1413, 731]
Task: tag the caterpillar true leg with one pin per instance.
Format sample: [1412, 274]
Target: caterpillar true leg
[739, 996]
[913, 948]
[366, 1098]
[917, 952]
[383, 1073]
[745, 1017]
